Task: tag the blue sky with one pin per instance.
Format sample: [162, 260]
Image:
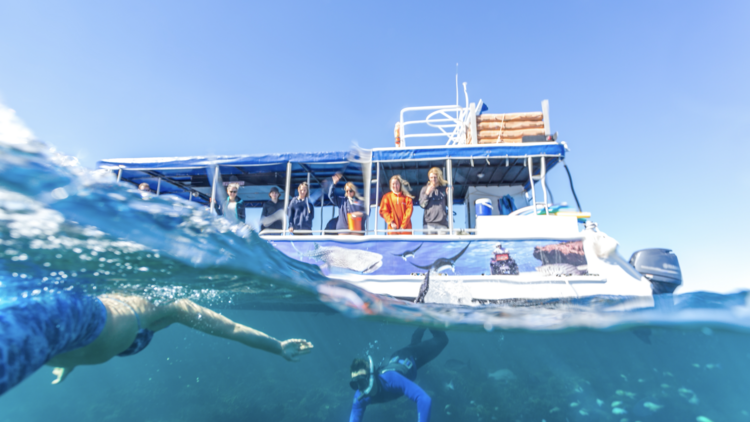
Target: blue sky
[651, 97]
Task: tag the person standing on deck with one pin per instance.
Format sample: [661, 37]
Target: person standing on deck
[352, 215]
[396, 206]
[234, 207]
[434, 199]
[300, 211]
[386, 383]
[269, 219]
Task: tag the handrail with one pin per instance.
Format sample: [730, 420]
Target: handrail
[362, 232]
[463, 122]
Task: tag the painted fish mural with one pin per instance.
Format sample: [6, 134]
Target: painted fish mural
[443, 264]
[356, 260]
[402, 256]
[408, 253]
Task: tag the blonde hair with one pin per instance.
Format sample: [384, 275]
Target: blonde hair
[439, 173]
[305, 185]
[351, 186]
[405, 186]
[233, 185]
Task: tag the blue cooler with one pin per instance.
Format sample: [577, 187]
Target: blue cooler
[483, 206]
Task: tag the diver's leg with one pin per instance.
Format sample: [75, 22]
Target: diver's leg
[61, 374]
[416, 338]
[426, 351]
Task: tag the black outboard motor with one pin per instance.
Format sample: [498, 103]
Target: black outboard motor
[660, 266]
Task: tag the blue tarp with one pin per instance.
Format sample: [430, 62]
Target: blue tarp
[395, 154]
[180, 174]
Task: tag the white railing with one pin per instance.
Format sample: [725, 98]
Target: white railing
[451, 121]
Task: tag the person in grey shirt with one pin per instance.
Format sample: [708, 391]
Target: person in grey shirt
[434, 199]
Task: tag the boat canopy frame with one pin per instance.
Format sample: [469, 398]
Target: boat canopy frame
[463, 165]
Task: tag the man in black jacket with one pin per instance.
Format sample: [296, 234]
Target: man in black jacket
[269, 218]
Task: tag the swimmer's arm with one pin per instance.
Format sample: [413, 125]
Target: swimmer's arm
[192, 315]
[358, 408]
[412, 391]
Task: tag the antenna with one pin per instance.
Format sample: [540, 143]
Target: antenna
[456, 84]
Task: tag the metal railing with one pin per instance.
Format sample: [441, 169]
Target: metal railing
[447, 232]
[454, 127]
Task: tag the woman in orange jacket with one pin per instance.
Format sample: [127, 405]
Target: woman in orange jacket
[396, 207]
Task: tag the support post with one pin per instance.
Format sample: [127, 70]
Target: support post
[473, 122]
[213, 190]
[119, 175]
[158, 186]
[286, 195]
[449, 168]
[531, 181]
[544, 184]
[377, 196]
[322, 195]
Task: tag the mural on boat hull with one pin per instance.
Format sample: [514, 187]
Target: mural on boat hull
[401, 257]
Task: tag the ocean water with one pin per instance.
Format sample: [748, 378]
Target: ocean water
[66, 227]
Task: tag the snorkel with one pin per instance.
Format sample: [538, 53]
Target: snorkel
[372, 378]
[363, 375]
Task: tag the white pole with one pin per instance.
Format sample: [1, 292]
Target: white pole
[449, 168]
[158, 186]
[531, 181]
[377, 195]
[286, 195]
[213, 189]
[119, 175]
[473, 110]
[544, 185]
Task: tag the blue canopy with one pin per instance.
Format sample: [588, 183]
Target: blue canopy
[475, 165]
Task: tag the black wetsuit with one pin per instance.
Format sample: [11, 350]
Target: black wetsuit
[396, 379]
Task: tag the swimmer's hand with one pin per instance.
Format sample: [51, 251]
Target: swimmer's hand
[294, 347]
[61, 374]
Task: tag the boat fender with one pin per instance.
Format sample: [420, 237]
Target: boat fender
[604, 246]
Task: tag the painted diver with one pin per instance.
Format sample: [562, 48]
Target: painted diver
[385, 383]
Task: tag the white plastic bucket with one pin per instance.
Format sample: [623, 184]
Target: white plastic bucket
[483, 206]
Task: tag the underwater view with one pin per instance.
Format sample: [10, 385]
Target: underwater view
[68, 230]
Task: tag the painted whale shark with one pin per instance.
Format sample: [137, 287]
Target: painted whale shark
[408, 254]
[442, 264]
[355, 260]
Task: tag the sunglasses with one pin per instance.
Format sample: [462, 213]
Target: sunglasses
[232, 191]
[348, 190]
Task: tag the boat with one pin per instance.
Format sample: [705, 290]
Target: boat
[539, 252]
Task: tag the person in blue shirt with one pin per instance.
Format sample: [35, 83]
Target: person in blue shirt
[352, 214]
[396, 378]
[301, 212]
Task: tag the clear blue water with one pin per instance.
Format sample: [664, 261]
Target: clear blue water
[63, 226]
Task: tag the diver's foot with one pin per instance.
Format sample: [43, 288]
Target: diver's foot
[61, 374]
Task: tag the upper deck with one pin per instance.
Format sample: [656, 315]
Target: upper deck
[517, 150]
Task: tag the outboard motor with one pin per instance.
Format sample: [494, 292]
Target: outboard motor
[660, 267]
